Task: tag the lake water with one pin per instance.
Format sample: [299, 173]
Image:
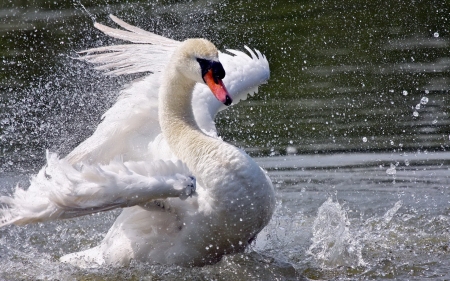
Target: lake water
[353, 128]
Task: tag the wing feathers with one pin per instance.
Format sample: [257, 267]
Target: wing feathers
[128, 59]
[61, 190]
[121, 34]
[134, 34]
[150, 54]
[150, 37]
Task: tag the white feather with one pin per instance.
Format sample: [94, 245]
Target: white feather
[61, 190]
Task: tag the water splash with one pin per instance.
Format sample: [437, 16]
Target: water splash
[333, 244]
[391, 170]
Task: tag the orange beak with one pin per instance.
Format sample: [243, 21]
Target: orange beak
[217, 88]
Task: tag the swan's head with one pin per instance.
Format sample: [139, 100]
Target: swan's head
[198, 60]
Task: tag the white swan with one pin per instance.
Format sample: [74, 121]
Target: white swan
[143, 155]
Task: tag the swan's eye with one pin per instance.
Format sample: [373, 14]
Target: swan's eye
[218, 70]
[216, 67]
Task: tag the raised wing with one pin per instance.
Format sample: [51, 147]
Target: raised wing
[244, 74]
[150, 54]
[135, 34]
[61, 190]
[127, 127]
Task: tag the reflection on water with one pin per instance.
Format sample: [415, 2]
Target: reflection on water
[353, 128]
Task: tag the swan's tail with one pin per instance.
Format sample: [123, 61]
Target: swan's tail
[61, 190]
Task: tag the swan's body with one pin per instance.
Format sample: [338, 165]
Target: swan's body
[161, 138]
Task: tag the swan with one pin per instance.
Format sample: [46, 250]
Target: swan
[188, 197]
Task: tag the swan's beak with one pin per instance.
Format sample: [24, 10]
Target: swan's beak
[217, 88]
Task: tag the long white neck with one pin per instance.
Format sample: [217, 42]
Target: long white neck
[177, 120]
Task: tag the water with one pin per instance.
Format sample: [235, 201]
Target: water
[353, 128]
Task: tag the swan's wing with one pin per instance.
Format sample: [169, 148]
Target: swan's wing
[126, 128]
[61, 190]
[134, 34]
[151, 54]
[244, 74]
[132, 122]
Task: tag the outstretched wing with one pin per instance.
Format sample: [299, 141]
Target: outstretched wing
[150, 53]
[61, 190]
[132, 123]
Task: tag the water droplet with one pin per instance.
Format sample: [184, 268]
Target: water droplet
[364, 139]
[405, 93]
[424, 100]
[436, 34]
[415, 113]
[418, 106]
[434, 121]
[291, 150]
[391, 170]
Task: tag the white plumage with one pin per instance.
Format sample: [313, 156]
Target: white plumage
[155, 148]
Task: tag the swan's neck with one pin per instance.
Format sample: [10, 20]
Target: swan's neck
[178, 124]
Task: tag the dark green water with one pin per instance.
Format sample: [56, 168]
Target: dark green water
[358, 98]
[346, 76]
